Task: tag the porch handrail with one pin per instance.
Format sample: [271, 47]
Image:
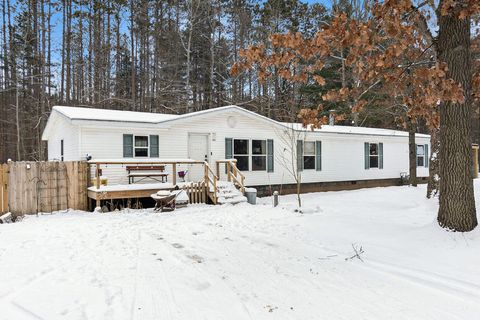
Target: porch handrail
[236, 171]
[211, 178]
[233, 172]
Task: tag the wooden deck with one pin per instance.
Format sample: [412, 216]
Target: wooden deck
[127, 191]
[199, 191]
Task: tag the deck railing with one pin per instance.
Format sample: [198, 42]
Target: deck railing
[98, 164]
[211, 183]
[233, 173]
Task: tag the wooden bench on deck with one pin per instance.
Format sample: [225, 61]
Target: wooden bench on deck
[144, 172]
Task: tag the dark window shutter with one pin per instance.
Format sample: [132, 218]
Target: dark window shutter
[427, 157]
[228, 148]
[128, 145]
[270, 159]
[299, 155]
[154, 146]
[367, 155]
[380, 155]
[318, 158]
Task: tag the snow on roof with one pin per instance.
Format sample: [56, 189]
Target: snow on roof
[79, 113]
[353, 130]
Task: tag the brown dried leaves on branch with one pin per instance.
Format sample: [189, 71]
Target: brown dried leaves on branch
[391, 53]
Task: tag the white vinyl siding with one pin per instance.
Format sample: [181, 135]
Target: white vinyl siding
[342, 154]
[70, 134]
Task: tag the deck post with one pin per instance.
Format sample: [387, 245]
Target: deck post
[174, 173]
[97, 174]
[205, 168]
[229, 171]
[214, 191]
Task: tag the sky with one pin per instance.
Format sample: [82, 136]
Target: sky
[325, 2]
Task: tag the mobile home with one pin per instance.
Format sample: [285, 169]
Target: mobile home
[269, 153]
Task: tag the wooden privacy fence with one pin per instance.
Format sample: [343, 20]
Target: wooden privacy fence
[197, 192]
[3, 188]
[47, 186]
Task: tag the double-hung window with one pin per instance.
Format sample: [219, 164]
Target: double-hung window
[373, 155]
[257, 151]
[241, 153]
[420, 155]
[141, 146]
[259, 155]
[309, 155]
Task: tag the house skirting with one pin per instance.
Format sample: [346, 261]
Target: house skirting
[267, 190]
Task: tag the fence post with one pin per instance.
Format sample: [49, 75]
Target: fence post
[174, 173]
[4, 188]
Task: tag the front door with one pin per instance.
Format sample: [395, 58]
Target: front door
[197, 150]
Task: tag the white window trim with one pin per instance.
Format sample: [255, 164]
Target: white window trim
[258, 155]
[375, 155]
[250, 154]
[420, 156]
[147, 147]
[309, 155]
[241, 154]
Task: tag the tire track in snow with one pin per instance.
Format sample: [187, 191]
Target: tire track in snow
[132, 308]
[259, 253]
[433, 281]
[153, 295]
[182, 257]
[430, 281]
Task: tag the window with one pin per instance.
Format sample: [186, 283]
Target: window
[259, 155]
[241, 153]
[309, 155]
[420, 155]
[141, 146]
[373, 155]
[61, 150]
[260, 152]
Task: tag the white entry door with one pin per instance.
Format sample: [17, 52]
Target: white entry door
[197, 150]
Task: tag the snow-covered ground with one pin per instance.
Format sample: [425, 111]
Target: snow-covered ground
[245, 262]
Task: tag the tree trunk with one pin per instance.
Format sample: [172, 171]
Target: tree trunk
[433, 186]
[412, 153]
[68, 52]
[62, 77]
[457, 203]
[132, 44]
